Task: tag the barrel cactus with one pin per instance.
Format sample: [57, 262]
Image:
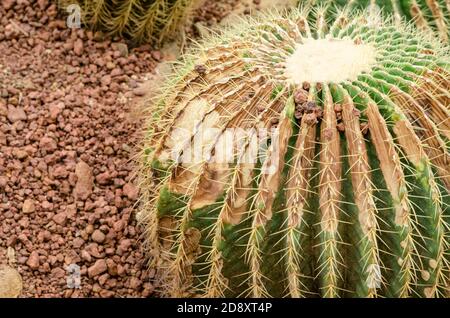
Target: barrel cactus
[137, 20]
[302, 157]
[430, 16]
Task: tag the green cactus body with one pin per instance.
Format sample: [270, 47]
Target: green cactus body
[138, 20]
[428, 15]
[349, 198]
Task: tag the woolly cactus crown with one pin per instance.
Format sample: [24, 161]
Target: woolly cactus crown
[349, 197]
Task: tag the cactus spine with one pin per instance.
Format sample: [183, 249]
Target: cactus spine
[350, 196]
[137, 20]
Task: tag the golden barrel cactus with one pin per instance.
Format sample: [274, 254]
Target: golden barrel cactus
[300, 155]
[137, 20]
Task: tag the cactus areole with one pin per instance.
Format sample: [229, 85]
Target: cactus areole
[302, 155]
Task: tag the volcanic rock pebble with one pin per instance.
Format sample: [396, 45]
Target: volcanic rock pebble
[85, 181]
[16, 114]
[28, 206]
[33, 260]
[98, 268]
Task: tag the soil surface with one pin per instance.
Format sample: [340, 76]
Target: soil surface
[69, 129]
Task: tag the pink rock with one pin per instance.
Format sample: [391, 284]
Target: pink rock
[48, 144]
[20, 153]
[106, 293]
[85, 181]
[60, 218]
[28, 206]
[77, 243]
[102, 279]
[92, 249]
[120, 270]
[86, 256]
[106, 80]
[11, 32]
[98, 268]
[116, 72]
[119, 226]
[47, 206]
[122, 48]
[60, 172]
[42, 4]
[3, 182]
[140, 91]
[148, 290]
[125, 244]
[157, 55]
[16, 114]
[112, 267]
[33, 260]
[131, 191]
[58, 273]
[78, 47]
[103, 178]
[135, 283]
[7, 4]
[98, 236]
[55, 110]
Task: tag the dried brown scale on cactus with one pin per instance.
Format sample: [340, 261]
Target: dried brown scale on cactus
[345, 196]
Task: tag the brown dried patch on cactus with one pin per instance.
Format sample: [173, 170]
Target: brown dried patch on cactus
[389, 163]
[427, 130]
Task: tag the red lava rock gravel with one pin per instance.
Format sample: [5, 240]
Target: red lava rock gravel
[66, 138]
[67, 133]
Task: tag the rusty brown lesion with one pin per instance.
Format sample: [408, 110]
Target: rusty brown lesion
[439, 19]
[330, 181]
[408, 140]
[418, 17]
[272, 169]
[237, 199]
[432, 101]
[298, 185]
[441, 77]
[359, 167]
[427, 132]
[389, 163]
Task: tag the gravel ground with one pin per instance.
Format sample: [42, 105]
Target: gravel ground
[70, 124]
[66, 138]
[67, 132]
